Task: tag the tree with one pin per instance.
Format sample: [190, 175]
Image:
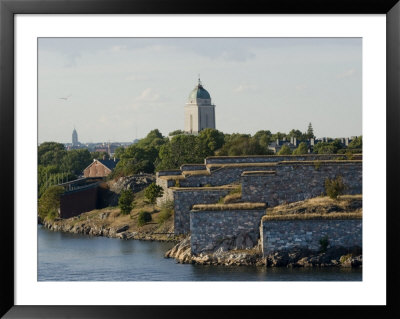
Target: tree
[125, 201]
[152, 192]
[209, 141]
[334, 187]
[295, 133]
[51, 153]
[264, 138]
[140, 157]
[99, 155]
[278, 136]
[49, 202]
[143, 218]
[76, 161]
[356, 143]
[176, 132]
[242, 144]
[181, 149]
[324, 148]
[153, 138]
[310, 131]
[301, 149]
[119, 151]
[285, 150]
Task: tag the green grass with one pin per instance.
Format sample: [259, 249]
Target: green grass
[338, 216]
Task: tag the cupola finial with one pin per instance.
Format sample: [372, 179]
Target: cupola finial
[199, 80]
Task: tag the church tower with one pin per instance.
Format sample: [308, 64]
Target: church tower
[199, 112]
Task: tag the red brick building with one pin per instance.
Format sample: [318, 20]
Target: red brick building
[100, 168]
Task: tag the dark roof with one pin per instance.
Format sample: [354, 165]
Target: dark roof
[109, 163]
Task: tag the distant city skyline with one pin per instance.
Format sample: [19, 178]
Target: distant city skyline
[119, 89]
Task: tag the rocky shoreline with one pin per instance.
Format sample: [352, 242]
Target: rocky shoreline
[333, 257]
[121, 232]
[181, 252]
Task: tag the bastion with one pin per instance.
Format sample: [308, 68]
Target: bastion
[287, 232]
[225, 227]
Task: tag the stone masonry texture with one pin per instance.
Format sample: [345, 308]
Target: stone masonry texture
[285, 235]
[193, 167]
[185, 199]
[296, 182]
[230, 229]
[273, 158]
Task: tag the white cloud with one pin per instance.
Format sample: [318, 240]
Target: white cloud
[245, 88]
[118, 48]
[347, 74]
[148, 95]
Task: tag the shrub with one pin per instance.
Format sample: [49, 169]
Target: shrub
[52, 215]
[125, 201]
[317, 165]
[349, 155]
[237, 190]
[49, 202]
[143, 218]
[177, 184]
[323, 244]
[167, 209]
[334, 187]
[302, 149]
[152, 192]
[285, 150]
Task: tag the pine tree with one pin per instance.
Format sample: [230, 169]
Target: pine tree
[125, 201]
[310, 131]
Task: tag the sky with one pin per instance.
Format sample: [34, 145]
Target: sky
[119, 89]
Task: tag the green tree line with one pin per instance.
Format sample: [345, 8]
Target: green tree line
[57, 165]
[156, 152]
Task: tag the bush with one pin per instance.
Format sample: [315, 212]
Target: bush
[143, 218]
[285, 150]
[52, 215]
[125, 201]
[152, 192]
[334, 187]
[317, 165]
[167, 209]
[237, 190]
[324, 243]
[49, 202]
[301, 149]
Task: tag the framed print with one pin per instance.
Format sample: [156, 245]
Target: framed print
[52, 50]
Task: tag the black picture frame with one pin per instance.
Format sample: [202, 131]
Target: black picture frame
[8, 9]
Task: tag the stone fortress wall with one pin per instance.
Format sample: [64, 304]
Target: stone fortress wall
[184, 199]
[264, 179]
[295, 181]
[278, 235]
[228, 229]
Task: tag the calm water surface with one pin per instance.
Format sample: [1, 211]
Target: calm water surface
[71, 257]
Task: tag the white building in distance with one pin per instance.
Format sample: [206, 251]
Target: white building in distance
[199, 112]
[75, 141]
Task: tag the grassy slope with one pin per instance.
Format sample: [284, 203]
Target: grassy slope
[346, 206]
[111, 217]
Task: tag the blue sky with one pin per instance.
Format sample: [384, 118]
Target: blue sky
[121, 88]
